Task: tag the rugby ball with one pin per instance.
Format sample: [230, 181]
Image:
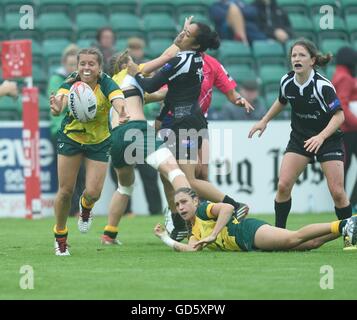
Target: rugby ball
[82, 102]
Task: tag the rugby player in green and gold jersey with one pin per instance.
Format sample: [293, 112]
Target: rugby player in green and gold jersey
[215, 226]
[90, 141]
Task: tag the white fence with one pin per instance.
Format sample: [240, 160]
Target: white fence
[249, 170]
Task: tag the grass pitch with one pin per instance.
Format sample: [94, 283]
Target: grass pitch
[144, 268]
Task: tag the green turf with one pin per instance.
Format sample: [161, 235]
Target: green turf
[144, 268]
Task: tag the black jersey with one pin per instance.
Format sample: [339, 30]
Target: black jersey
[183, 75]
[313, 103]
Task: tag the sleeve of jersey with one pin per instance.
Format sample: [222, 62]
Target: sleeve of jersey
[141, 67]
[204, 211]
[282, 97]
[332, 102]
[66, 86]
[162, 77]
[64, 89]
[223, 81]
[111, 90]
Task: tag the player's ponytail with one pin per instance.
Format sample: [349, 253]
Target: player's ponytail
[121, 61]
[206, 38]
[321, 59]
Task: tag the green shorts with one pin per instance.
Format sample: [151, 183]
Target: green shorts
[68, 147]
[245, 233]
[132, 143]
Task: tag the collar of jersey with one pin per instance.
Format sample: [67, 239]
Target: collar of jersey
[306, 83]
[187, 51]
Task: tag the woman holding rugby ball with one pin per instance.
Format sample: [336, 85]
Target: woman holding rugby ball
[89, 140]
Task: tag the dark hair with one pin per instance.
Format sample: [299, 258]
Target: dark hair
[347, 57]
[321, 59]
[192, 193]
[206, 38]
[100, 32]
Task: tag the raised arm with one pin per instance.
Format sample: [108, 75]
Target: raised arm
[169, 53]
[158, 62]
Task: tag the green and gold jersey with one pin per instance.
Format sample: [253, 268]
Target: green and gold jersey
[204, 224]
[96, 130]
[120, 76]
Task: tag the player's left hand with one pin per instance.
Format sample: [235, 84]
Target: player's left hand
[242, 102]
[205, 241]
[313, 144]
[123, 117]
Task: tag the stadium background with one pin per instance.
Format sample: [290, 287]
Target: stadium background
[58, 23]
[143, 268]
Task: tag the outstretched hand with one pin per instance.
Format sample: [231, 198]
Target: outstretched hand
[123, 116]
[133, 68]
[187, 22]
[10, 88]
[159, 230]
[259, 126]
[242, 102]
[56, 104]
[205, 241]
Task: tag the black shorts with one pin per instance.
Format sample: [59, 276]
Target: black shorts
[331, 149]
[185, 137]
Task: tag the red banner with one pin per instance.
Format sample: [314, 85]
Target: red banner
[31, 142]
[16, 58]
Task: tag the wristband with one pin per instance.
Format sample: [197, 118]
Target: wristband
[167, 240]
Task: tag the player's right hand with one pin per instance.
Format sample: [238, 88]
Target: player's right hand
[56, 104]
[259, 126]
[123, 116]
[159, 230]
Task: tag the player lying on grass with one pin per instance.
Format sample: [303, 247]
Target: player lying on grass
[215, 226]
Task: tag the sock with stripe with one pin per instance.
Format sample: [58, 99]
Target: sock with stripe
[85, 204]
[337, 226]
[111, 231]
[60, 233]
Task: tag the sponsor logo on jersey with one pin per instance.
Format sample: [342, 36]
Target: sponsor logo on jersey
[167, 67]
[334, 104]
